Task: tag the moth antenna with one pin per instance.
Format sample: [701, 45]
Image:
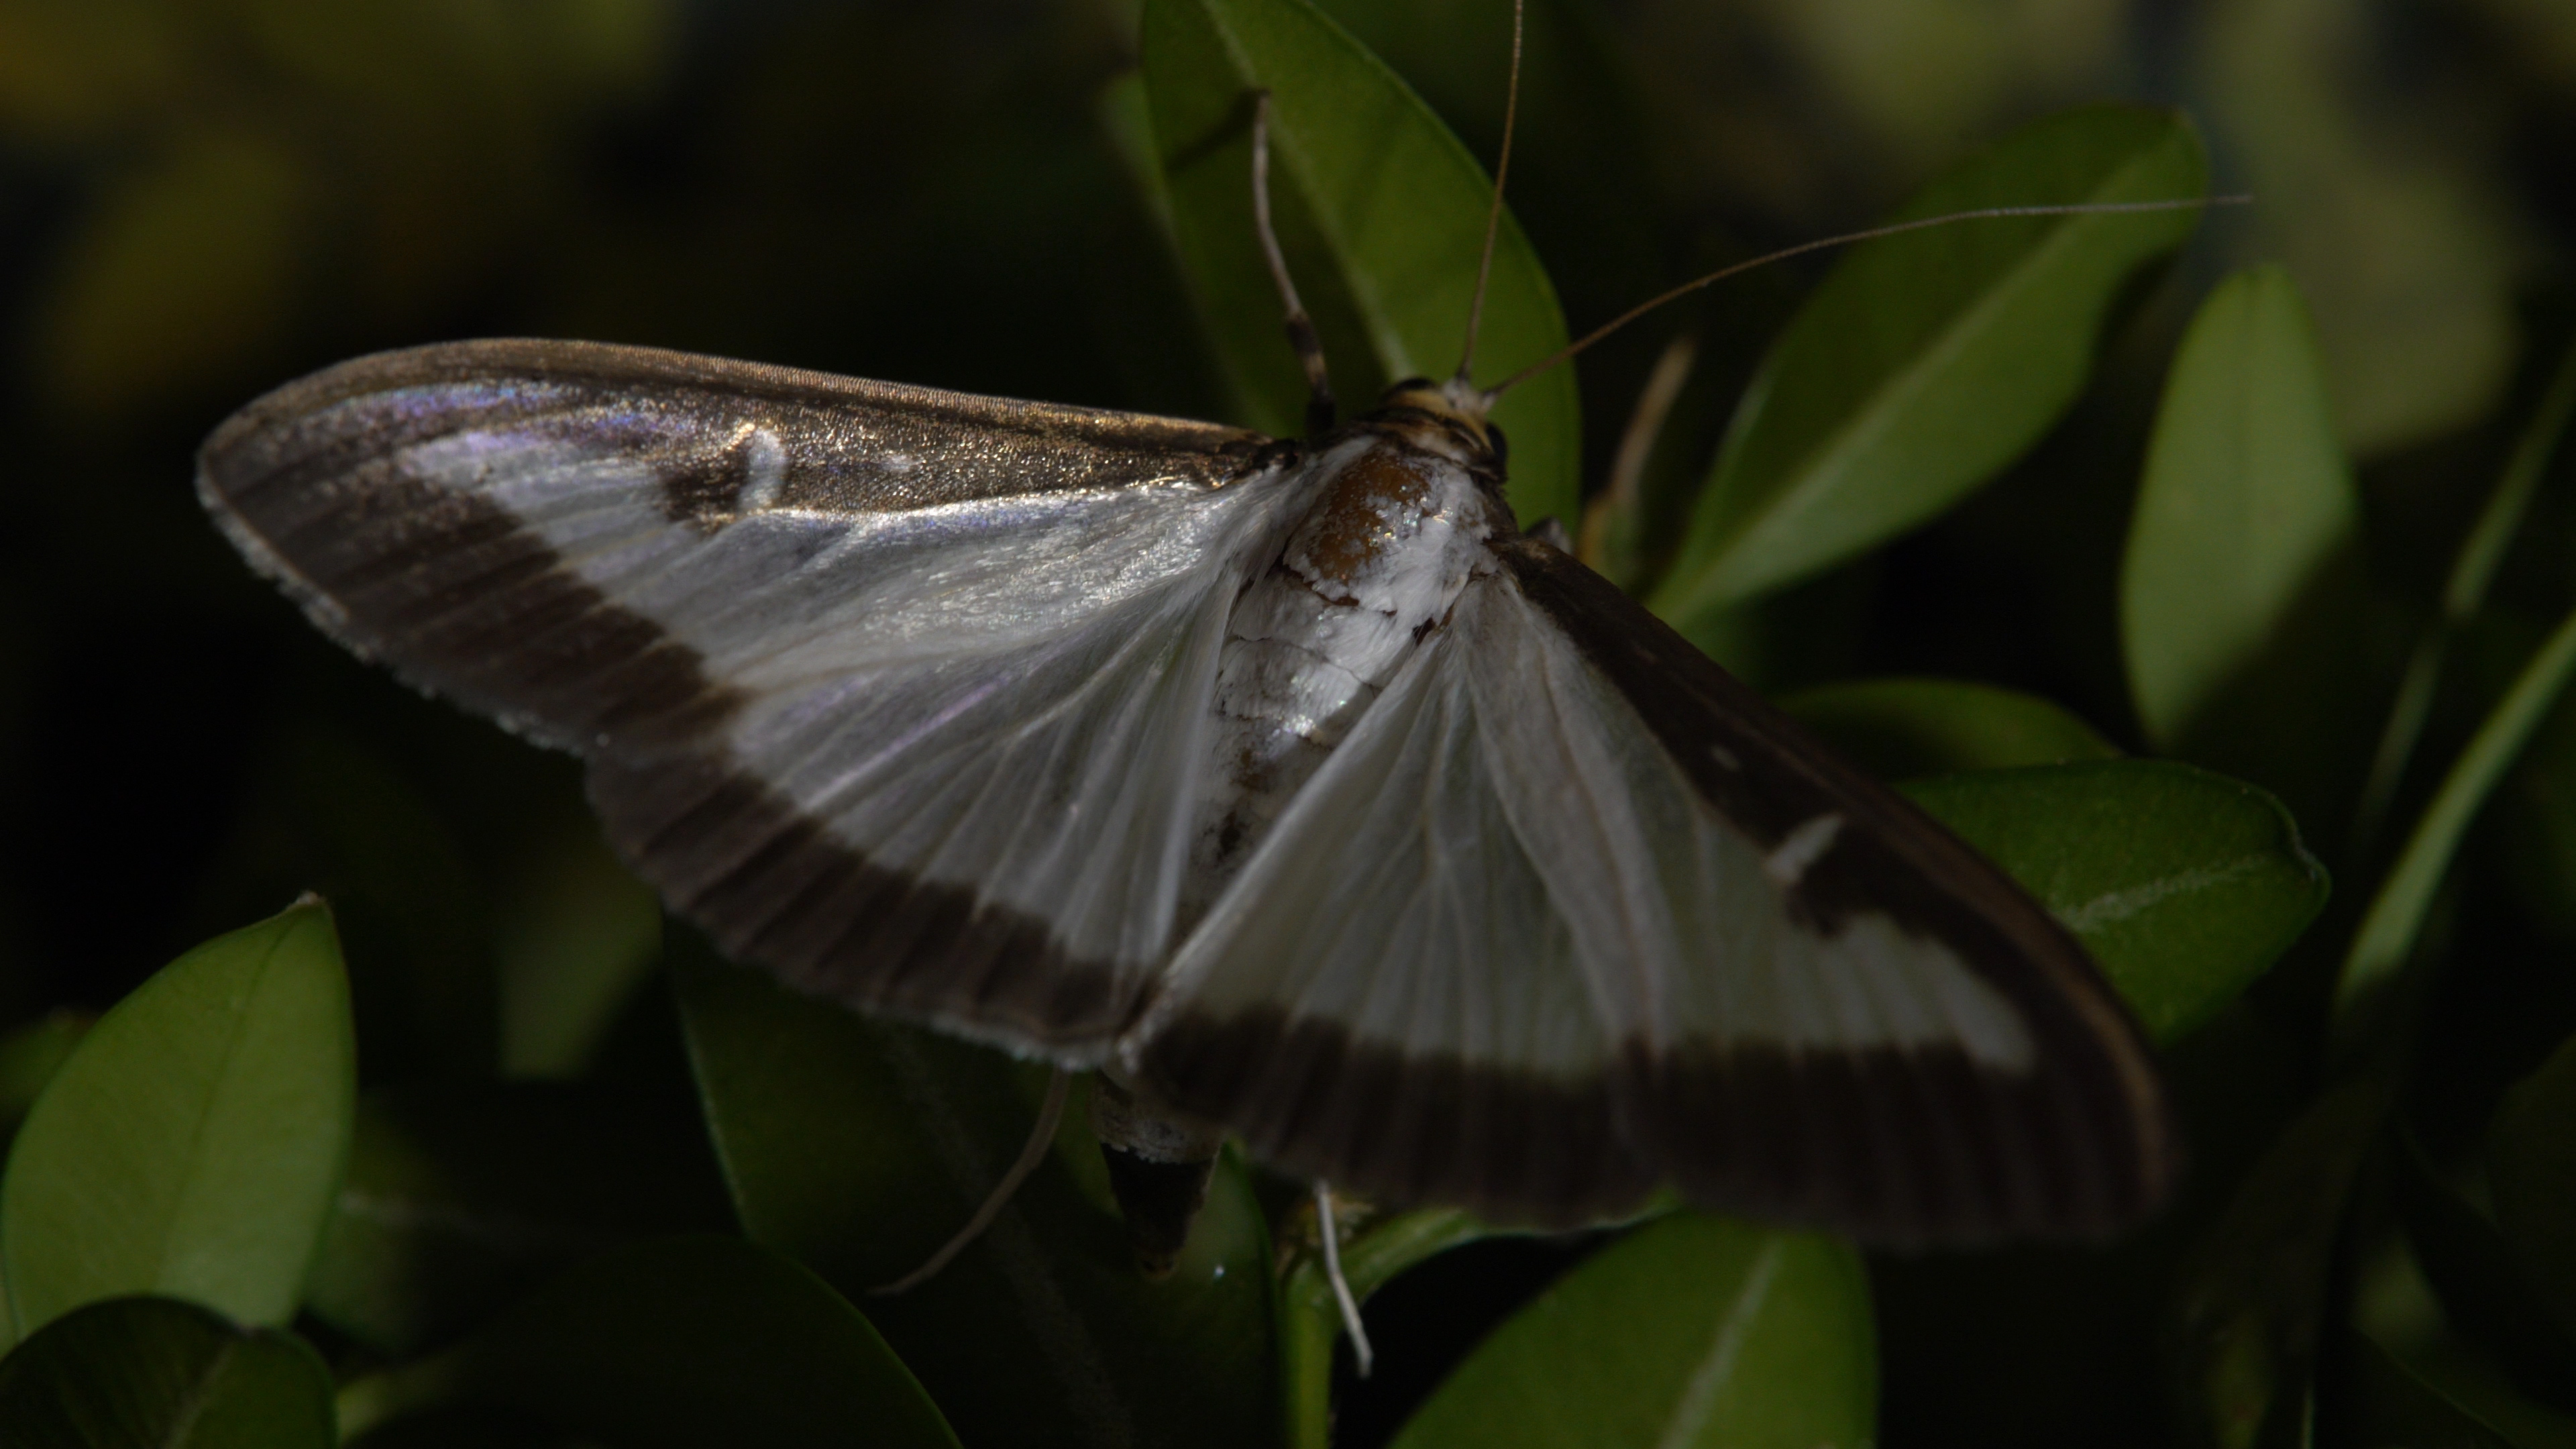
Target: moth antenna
[1983, 213]
[1494, 213]
[1362, 1355]
[1032, 1152]
[1301, 328]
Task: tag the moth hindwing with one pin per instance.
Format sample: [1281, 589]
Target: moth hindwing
[1288, 781]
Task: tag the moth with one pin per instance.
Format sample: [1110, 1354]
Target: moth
[1284, 781]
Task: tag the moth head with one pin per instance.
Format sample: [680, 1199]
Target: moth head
[1459, 404]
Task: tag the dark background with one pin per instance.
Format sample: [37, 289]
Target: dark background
[199, 201]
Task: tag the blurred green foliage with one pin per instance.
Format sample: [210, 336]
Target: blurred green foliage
[199, 201]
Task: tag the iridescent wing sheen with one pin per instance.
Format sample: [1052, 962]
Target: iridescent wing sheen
[900, 693]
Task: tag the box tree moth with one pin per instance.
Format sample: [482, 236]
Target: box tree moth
[1285, 781]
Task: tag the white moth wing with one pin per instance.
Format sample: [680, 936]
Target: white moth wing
[902, 694]
[1508, 950]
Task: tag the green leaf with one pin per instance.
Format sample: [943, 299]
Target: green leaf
[2389, 1404]
[1381, 212]
[2254, 1289]
[1310, 1317]
[162, 1373]
[2246, 501]
[1927, 362]
[1899, 729]
[684, 1342]
[2485, 1295]
[461, 1196]
[2388, 929]
[2531, 1166]
[31, 1055]
[1696, 1330]
[2184, 885]
[193, 1144]
[859, 1147]
[579, 939]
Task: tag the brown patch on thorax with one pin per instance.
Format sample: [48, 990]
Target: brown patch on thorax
[1355, 520]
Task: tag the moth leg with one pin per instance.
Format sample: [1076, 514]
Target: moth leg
[1032, 1152]
[1159, 1167]
[1301, 328]
[1326, 1229]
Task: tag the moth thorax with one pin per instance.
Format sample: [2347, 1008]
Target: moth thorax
[1456, 403]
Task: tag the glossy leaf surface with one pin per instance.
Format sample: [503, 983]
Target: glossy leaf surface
[1928, 361]
[858, 1147]
[2246, 501]
[1381, 212]
[1900, 729]
[193, 1143]
[1694, 1331]
[162, 1373]
[2184, 885]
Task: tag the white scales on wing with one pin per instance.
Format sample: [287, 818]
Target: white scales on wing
[1376, 563]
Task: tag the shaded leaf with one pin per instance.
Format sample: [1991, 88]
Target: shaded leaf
[2388, 1404]
[572, 948]
[193, 1144]
[2245, 503]
[1926, 362]
[1310, 1318]
[182, 276]
[1899, 729]
[684, 1342]
[31, 1055]
[2388, 929]
[161, 1373]
[72, 69]
[1696, 1330]
[2248, 1308]
[859, 1147]
[1381, 212]
[2471, 1269]
[2184, 885]
[2531, 1167]
[459, 1197]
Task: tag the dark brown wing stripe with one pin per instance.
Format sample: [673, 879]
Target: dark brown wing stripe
[2083, 1144]
[774, 890]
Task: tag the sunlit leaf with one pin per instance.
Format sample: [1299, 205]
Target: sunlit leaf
[683, 1342]
[162, 1373]
[2246, 501]
[2184, 885]
[1898, 729]
[859, 1147]
[193, 1144]
[1381, 212]
[1694, 1331]
[1928, 361]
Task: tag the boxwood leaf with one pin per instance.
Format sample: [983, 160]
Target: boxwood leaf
[1694, 1331]
[1381, 212]
[460, 1196]
[1926, 362]
[2485, 1294]
[1899, 729]
[2246, 501]
[859, 1147]
[2185, 885]
[160, 1372]
[193, 1143]
[682, 1342]
[2531, 1166]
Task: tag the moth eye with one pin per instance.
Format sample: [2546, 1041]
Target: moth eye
[1502, 445]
